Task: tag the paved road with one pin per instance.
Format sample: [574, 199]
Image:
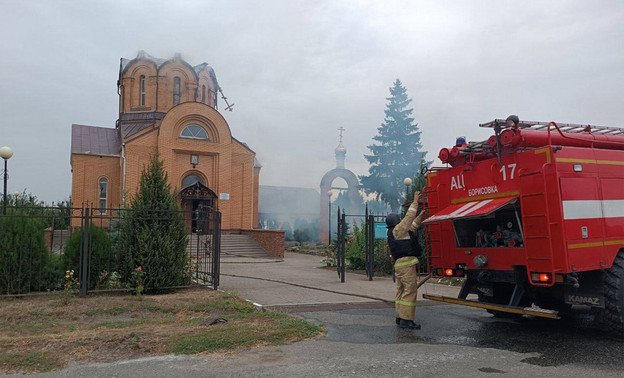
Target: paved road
[544, 342]
[455, 342]
[362, 340]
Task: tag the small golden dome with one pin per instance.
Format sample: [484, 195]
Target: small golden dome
[340, 149]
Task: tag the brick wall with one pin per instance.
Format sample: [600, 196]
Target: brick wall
[272, 241]
[225, 164]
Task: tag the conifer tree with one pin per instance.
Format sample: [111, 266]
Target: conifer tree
[397, 153]
[151, 234]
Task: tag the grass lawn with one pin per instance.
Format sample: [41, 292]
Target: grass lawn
[43, 333]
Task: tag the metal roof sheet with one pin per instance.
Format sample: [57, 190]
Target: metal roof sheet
[95, 140]
[129, 129]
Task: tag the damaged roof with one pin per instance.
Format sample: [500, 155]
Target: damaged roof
[158, 62]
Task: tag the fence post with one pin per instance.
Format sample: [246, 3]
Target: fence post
[366, 240]
[216, 269]
[343, 241]
[85, 237]
[371, 245]
[338, 244]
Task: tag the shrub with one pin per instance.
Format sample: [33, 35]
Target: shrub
[25, 262]
[301, 235]
[355, 252]
[151, 233]
[383, 261]
[101, 257]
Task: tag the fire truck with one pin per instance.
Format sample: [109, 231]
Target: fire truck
[532, 219]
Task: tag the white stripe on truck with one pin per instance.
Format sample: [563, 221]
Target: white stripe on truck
[593, 209]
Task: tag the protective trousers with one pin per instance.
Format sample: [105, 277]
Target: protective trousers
[407, 287]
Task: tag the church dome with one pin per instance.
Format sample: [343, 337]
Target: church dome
[340, 149]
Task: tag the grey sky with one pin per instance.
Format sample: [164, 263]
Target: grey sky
[298, 70]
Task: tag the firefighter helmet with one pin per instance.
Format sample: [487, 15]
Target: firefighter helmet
[392, 220]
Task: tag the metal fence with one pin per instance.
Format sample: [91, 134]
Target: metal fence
[369, 229]
[341, 244]
[61, 248]
[371, 243]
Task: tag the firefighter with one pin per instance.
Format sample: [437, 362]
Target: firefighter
[404, 248]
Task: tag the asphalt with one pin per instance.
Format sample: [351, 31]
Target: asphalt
[300, 281]
[362, 340]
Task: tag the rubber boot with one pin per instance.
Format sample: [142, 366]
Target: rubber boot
[409, 324]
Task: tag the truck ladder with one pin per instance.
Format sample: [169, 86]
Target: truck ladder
[537, 235]
[572, 128]
[564, 127]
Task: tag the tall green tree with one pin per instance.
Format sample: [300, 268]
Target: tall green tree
[344, 202]
[151, 233]
[397, 152]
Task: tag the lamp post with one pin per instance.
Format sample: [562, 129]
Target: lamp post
[329, 194]
[407, 182]
[5, 153]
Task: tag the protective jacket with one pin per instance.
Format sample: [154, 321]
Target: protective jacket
[404, 247]
[402, 237]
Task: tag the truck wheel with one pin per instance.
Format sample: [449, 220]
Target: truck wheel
[613, 314]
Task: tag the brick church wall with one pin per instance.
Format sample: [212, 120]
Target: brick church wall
[225, 165]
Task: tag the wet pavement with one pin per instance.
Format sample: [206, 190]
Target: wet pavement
[363, 341]
[548, 342]
[455, 341]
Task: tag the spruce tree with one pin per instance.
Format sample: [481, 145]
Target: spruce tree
[397, 153]
[151, 233]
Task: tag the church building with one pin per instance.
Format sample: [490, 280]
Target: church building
[169, 106]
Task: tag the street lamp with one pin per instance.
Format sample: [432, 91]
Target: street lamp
[407, 182]
[5, 153]
[329, 194]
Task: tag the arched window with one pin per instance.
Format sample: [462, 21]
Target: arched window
[194, 132]
[176, 90]
[204, 94]
[103, 195]
[190, 180]
[142, 90]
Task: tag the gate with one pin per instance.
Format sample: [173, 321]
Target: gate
[374, 228]
[369, 235]
[207, 258]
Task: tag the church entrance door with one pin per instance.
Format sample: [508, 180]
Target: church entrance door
[196, 197]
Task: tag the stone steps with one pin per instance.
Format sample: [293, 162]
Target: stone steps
[231, 245]
[241, 245]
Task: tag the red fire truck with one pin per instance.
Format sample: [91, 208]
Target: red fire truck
[533, 219]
